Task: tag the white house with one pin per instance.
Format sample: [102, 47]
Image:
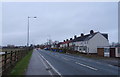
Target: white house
[89, 43]
[64, 44]
[54, 44]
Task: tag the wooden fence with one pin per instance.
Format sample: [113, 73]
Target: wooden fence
[10, 58]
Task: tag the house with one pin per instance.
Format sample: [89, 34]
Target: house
[55, 44]
[88, 43]
[65, 44]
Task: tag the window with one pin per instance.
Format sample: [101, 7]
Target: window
[106, 49]
[85, 42]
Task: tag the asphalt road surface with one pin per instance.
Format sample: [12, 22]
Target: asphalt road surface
[53, 63]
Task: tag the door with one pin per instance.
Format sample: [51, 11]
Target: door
[112, 52]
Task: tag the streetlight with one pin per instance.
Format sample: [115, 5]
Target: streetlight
[28, 30]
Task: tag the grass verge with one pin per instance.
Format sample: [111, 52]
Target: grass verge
[22, 65]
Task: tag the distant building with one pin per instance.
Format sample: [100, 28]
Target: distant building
[65, 44]
[55, 44]
[10, 46]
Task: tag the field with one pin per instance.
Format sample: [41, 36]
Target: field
[10, 49]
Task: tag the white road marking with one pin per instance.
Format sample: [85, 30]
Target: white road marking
[51, 65]
[86, 66]
[65, 59]
[110, 65]
[79, 58]
[45, 65]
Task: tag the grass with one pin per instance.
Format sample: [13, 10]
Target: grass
[22, 65]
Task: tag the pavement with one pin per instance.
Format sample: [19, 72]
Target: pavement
[36, 65]
[53, 63]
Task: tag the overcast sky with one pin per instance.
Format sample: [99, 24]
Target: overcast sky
[57, 21]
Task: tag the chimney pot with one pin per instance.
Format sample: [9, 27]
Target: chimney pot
[82, 34]
[66, 39]
[91, 31]
[75, 36]
[70, 38]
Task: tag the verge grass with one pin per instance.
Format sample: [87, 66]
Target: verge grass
[22, 65]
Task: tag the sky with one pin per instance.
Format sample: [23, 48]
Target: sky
[0, 24]
[57, 20]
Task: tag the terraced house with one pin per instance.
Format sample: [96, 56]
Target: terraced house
[89, 43]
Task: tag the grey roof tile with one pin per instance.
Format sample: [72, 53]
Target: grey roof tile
[88, 37]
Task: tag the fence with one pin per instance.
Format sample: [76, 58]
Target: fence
[10, 58]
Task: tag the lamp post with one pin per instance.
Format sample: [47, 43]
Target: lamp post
[28, 30]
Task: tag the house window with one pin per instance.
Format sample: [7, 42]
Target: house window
[86, 42]
[106, 50]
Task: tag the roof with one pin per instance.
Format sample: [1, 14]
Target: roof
[118, 45]
[85, 38]
[65, 42]
[88, 37]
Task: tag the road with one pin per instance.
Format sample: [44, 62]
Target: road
[53, 63]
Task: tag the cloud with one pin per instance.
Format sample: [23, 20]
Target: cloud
[59, 21]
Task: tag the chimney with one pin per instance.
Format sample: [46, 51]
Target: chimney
[91, 31]
[63, 40]
[67, 40]
[75, 36]
[82, 34]
[70, 38]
